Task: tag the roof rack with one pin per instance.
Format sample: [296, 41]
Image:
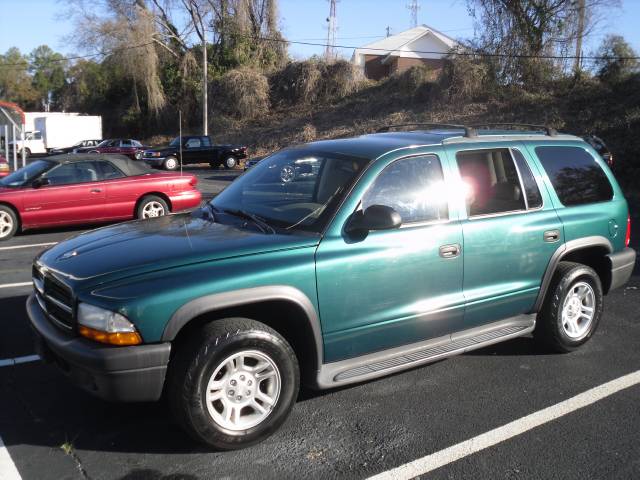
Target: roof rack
[552, 132]
[468, 131]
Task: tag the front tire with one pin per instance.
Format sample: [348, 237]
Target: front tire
[171, 164]
[151, 206]
[8, 223]
[572, 308]
[233, 383]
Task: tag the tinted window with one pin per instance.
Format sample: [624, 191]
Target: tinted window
[492, 183]
[108, 171]
[206, 142]
[75, 172]
[413, 187]
[531, 191]
[193, 143]
[575, 175]
[125, 143]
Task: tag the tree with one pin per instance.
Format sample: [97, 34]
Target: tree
[616, 59]
[48, 70]
[15, 81]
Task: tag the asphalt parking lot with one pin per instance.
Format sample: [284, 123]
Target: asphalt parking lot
[51, 430]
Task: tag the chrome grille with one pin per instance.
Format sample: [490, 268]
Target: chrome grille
[55, 298]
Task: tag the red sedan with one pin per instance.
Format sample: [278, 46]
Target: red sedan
[124, 146]
[81, 189]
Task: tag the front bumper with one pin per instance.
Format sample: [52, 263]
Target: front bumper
[622, 264]
[154, 161]
[125, 374]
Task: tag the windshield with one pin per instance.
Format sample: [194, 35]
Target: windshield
[293, 189]
[26, 174]
[175, 142]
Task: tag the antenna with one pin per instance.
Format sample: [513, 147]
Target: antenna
[332, 29]
[180, 137]
[413, 7]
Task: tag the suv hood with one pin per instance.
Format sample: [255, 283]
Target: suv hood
[142, 246]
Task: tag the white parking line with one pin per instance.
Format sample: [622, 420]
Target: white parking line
[8, 470]
[14, 285]
[33, 245]
[10, 362]
[476, 444]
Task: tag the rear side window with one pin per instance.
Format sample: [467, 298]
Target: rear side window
[531, 191]
[491, 182]
[413, 187]
[575, 175]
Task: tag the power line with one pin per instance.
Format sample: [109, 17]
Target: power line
[468, 53]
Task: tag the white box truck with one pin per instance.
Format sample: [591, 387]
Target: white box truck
[57, 130]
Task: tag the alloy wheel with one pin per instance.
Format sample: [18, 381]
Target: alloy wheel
[578, 310]
[153, 209]
[6, 224]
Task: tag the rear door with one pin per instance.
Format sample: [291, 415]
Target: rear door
[510, 230]
[192, 150]
[75, 194]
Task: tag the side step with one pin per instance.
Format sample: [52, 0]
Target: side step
[388, 361]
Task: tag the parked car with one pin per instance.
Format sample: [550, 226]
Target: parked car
[195, 149]
[4, 167]
[123, 146]
[398, 249]
[74, 148]
[82, 189]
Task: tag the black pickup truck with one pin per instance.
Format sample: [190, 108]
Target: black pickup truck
[195, 149]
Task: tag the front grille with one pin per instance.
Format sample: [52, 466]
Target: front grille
[55, 298]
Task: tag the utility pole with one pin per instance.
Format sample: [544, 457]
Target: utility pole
[581, 11]
[332, 28]
[413, 7]
[388, 31]
[205, 86]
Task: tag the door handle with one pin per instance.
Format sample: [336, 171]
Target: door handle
[551, 236]
[450, 251]
[96, 190]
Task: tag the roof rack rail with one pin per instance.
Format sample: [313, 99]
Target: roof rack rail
[468, 131]
[550, 131]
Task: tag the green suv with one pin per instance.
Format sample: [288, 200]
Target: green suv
[386, 251]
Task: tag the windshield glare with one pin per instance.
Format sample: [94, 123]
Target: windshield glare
[293, 189]
[175, 142]
[26, 174]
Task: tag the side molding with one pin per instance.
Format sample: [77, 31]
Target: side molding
[246, 296]
[568, 247]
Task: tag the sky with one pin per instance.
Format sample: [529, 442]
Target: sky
[28, 23]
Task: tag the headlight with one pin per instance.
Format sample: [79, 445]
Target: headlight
[106, 326]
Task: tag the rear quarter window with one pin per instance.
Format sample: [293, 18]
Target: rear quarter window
[575, 175]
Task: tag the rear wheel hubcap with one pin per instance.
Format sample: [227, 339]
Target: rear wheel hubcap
[153, 209]
[6, 224]
[578, 310]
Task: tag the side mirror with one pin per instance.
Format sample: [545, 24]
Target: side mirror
[376, 217]
[40, 182]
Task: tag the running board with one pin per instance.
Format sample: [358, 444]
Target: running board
[383, 363]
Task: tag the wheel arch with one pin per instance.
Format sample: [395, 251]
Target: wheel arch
[283, 308]
[163, 196]
[591, 251]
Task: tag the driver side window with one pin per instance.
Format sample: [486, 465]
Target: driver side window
[413, 187]
[74, 172]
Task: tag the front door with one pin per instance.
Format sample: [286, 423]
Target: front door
[74, 194]
[511, 230]
[399, 286]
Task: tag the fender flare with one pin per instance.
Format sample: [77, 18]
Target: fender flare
[246, 296]
[559, 254]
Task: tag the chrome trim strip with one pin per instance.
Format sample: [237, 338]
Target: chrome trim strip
[58, 303]
[38, 284]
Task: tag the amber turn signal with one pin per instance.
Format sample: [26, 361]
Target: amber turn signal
[119, 338]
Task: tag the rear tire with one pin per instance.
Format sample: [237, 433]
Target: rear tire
[232, 383]
[572, 308]
[152, 206]
[8, 223]
[230, 163]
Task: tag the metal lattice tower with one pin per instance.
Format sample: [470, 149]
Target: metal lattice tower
[413, 7]
[330, 52]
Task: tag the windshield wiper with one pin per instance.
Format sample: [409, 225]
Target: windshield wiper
[259, 221]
